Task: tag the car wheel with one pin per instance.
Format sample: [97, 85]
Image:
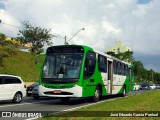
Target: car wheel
[17, 98]
[29, 94]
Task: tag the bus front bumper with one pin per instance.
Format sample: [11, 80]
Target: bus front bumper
[75, 91]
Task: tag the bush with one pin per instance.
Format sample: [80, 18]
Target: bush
[10, 51]
[2, 56]
[6, 52]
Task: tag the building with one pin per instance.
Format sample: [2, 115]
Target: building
[119, 47]
[22, 47]
[25, 45]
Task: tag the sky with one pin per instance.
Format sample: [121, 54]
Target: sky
[134, 22]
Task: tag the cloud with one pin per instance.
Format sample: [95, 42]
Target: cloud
[134, 22]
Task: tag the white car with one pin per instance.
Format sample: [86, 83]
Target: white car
[136, 87]
[152, 86]
[157, 86]
[12, 88]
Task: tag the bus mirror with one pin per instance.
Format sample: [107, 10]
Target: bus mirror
[39, 61]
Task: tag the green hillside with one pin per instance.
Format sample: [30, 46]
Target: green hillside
[19, 63]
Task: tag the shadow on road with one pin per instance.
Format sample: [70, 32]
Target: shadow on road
[77, 101]
[72, 101]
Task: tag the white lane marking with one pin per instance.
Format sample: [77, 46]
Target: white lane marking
[26, 103]
[32, 118]
[71, 109]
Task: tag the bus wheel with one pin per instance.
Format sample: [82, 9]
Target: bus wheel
[36, 97]
[123, 94]
[65, 100]
[97, 95]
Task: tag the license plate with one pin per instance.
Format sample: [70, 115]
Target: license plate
[29, 91]
[57, 91]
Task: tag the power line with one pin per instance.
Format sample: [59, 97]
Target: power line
[10, 24]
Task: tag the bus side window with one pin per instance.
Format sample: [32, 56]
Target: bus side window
[90, 64]
[123, 69]
[115, 67]
[127, 70]
[102, 63]
[119, 68]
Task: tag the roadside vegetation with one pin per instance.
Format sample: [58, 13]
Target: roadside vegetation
[148, 101]
[19, 63]
[15, 62]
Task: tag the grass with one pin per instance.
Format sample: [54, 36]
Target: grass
[149, 101]
[21, 64]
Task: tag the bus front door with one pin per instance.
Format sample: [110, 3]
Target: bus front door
[131, 79]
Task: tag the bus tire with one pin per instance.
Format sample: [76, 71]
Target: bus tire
[97, 95]
[123, 94]
[65, 100]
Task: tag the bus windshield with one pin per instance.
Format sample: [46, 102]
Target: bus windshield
[66, 65]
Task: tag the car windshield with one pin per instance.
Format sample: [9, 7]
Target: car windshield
[58, 65]
[151, 84]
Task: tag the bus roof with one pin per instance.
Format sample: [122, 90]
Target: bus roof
[86, 48]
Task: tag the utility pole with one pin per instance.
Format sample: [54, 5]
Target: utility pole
[65, 40]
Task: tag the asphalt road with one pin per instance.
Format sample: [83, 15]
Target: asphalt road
[48, 105]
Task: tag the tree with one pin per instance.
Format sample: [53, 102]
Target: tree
[111, 53]
[37, 37]
[138, 67]
[126, 56]
[2, 38]
[157, 77]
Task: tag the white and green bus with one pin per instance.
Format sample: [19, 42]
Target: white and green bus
[80, 71]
